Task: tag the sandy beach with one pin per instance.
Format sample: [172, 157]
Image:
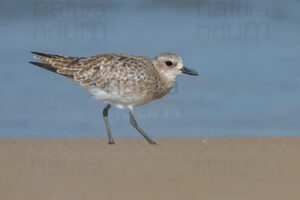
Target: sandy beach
[176, 168]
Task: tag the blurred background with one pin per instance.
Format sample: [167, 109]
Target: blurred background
[246, 52]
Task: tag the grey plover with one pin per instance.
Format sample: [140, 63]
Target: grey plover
[122, 80]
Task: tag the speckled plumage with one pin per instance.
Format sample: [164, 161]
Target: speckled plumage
[120, 79]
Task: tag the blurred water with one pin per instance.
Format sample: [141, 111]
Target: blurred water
[247, 55]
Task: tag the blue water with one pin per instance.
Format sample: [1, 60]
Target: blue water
[247, 55]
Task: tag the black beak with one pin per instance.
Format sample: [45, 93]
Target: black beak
[186, 70]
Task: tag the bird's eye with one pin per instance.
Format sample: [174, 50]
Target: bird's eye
[169, 63]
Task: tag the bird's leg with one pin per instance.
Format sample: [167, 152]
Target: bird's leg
[105, 116]
[135, 125]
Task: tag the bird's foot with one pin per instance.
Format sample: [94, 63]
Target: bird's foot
[111, 142]
[152, 142]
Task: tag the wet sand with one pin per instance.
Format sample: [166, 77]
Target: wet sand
[176, 168]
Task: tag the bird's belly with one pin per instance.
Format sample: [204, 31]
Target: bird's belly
[120, 98]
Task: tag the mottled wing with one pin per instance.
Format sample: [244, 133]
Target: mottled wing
[102, 70]
[117, 69]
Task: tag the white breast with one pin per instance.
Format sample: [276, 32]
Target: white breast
[116, 97]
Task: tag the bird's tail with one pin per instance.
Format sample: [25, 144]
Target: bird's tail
[44, 66]
[63, 65]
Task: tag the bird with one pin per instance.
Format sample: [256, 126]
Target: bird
[122, 80]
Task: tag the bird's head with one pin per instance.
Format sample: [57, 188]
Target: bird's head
[169, 65]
